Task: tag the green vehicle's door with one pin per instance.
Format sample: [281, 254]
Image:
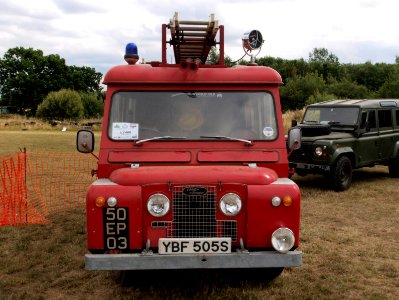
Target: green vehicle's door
[387, 139]
[367, 145]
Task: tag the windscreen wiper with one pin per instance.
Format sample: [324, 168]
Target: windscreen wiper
[222, 137]
[157, 138]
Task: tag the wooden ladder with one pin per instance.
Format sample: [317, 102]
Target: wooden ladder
[193, 40]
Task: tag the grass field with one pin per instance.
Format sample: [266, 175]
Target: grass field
[350, 242]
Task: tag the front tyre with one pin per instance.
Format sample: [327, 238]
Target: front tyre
[253, 275]
[341, 174]
[123, 278]
[268, 274]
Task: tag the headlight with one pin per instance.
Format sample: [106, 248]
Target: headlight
[158, 205]
[283, 239]
[318, 151]
[230, 204]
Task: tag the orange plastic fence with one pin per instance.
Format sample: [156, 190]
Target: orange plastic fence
[36, 184]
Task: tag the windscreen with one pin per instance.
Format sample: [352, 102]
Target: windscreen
[332, 115]
[192, 115]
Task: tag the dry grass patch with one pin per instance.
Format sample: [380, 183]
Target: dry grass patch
[290, 115]
[19, 122]
[349, 241]
[13, 141]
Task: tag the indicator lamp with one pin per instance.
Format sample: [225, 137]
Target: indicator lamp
[131, 54]
[287, 201]
[100, 201]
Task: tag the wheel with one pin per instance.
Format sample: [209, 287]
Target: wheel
[269, 274]
[261, 275]
[301, 172]
[341, 174]
[123, 278]
[394, 167]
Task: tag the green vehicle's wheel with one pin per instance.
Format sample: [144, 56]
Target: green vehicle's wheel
[394, 167]
[341, 174]
[301, 172]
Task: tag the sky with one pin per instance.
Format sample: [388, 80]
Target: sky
[94, 33]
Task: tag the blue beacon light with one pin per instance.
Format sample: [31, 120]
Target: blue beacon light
[131, 54]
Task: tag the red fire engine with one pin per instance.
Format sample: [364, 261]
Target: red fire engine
[193, 169]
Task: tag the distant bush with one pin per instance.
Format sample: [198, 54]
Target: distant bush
[61, 105]
[346, 89]
[320, 97]
[92, 106]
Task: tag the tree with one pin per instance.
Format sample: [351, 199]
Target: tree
[27, 76]
[297, 91]
[84, 79]
[61, 105]
[372, 76]
[390, 88]
[213, 58]
[323, 62]
[286, 68]
[348, 89]
[322, 55]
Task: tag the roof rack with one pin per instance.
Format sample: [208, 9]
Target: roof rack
[192, 39]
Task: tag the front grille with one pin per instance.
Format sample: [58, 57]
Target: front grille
[302, 155]
[194, 215]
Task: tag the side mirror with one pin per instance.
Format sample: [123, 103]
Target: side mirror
[85, 141]
[294, 138]
[294, 123]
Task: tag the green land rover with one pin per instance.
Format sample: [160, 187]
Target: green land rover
[341, 135]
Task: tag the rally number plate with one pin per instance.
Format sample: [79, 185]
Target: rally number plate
[194, 245]
[116, 228]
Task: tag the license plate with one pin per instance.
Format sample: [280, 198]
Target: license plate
[116, 228]
[194, 245]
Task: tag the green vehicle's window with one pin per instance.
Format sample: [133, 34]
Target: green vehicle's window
[369, 117]
[332, 115]
[192, 115]
[384, 118]
[372, 120]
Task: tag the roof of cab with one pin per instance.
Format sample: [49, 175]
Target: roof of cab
[145, 73]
